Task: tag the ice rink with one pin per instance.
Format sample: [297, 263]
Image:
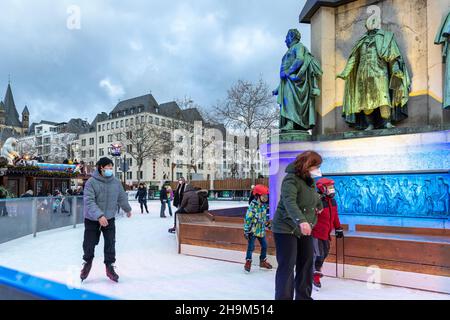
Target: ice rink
[150, 268]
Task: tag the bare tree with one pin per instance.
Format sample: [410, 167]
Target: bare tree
[250, 110]
[248, 107]
[145, 141]
[27, 145]
[63, 142]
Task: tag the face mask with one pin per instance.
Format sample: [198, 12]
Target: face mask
[108, 173]
[317, 173]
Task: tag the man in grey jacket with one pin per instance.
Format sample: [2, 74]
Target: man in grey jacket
[102, 194]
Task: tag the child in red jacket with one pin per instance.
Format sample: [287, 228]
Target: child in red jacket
[326, 222]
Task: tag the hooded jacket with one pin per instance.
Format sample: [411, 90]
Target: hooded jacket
[298, 204]
[190, 201]
[101, 197]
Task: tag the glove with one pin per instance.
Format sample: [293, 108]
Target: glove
[248, 235]
[339, 233]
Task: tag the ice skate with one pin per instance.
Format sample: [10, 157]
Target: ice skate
[265, 265]
[86, 270]
[316, 280]
[248, 265]
[111, 273]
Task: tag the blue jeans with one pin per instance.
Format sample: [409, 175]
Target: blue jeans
[251, 248]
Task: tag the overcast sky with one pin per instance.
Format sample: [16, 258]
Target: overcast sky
[124, 49]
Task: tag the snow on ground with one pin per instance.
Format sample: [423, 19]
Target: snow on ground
[150, 268]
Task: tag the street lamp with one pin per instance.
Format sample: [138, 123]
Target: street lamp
[115, 150]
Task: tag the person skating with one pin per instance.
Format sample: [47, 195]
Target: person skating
[179, 193]
[102, 194]
[141, 195]
[256, 221]
[163, 199]
[326, 221]
[252, 196]
[169, 199]
[190, 204]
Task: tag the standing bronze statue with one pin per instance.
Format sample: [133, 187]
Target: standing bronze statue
[377, 82]
[299, 86]
[443, 37]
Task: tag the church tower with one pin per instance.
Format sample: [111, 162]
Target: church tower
[25, 120]
[11, 115]
[2, 113]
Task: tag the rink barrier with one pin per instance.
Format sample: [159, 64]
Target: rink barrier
[391, 252]
[16, 285]
[21, 217]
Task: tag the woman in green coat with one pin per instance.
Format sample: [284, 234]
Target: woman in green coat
[292, 225]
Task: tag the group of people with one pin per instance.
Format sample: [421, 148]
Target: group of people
[56, 193]
[186, 198]
[304, 219]
[305, 216]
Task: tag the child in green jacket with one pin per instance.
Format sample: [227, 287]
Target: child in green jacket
[256, 221]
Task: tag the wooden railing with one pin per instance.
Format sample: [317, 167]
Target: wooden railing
[227, 184]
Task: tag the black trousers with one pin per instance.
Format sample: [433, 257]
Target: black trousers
[298, 253]
[92, 231]
[321, 251]
[143, 204]
[179, 211]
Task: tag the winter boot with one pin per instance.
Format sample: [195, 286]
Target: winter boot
[111, 273]
[86, 270]
[316, 279]
[248, 265]
[265, 265]
[172, 230]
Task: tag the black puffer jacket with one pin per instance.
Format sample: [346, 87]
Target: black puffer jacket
[141, 195]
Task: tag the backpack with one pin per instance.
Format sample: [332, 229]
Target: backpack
[203, 201]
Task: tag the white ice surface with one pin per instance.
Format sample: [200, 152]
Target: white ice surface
[150, 268]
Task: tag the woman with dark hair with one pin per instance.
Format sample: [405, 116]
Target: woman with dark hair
[292, 226]
[141, 195]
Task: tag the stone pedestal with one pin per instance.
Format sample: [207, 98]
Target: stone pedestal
[415, 154]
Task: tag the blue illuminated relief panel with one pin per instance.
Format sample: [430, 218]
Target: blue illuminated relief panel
[404, 195]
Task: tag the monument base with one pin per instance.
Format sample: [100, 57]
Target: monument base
[378, 174]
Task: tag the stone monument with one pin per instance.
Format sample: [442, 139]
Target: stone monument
[385, 176]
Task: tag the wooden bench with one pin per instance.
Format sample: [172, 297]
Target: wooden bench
[411, 250]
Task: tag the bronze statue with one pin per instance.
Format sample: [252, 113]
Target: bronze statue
[443, 38]
[298, 87]
[377, 82]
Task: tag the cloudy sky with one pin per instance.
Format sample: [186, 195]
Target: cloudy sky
[64, 67]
